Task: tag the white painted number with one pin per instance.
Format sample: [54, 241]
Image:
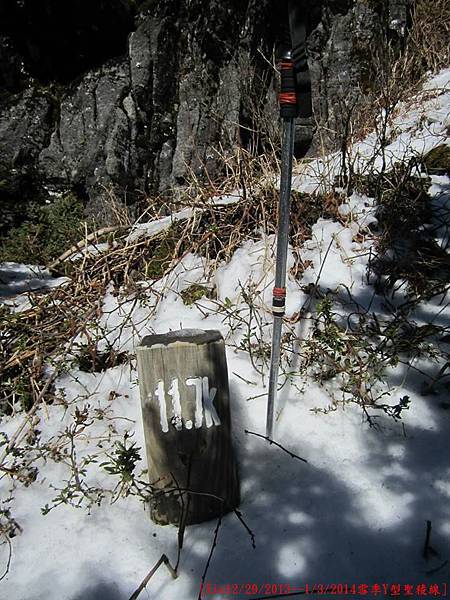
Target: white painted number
[198, 400]
[162, 406]
[204, 398]
[211, 415]
[176, 404]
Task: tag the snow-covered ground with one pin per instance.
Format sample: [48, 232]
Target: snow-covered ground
[356, 512]
[411, 130]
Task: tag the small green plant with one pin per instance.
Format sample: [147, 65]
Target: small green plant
[77, 491]
[195, 292]
[123, 461]
[162, 252]
[48, 230]
[351, 361]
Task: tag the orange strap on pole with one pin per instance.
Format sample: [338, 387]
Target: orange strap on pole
[287, 97]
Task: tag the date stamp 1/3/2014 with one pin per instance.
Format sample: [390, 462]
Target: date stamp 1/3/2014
[344, 591]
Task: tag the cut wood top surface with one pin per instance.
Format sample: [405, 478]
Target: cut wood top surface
[181, 336]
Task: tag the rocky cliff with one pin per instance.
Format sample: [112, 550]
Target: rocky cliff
[135, 96]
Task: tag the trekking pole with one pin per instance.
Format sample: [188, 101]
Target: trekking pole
[288, 112]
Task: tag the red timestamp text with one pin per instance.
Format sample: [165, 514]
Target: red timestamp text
[349, 590]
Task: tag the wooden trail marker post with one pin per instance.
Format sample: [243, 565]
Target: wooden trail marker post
[183, 382]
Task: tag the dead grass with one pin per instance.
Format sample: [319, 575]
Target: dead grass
[428, 44]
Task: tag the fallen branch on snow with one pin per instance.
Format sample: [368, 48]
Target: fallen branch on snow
[264, 437]
[150, 574]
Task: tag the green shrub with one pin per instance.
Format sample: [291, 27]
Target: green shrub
[195, 292]
[47, 231]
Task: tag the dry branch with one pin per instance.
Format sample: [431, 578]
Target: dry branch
[83, 243]
[264, 437]
[162, 560]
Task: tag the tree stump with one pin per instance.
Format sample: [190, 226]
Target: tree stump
[183, 382]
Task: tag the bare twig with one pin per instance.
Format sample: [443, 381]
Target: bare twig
[8, 563]
[427, 549]
[264, 437]
[437, 569]
[26, 420]
[83, 243]
[41, 395]
[208, 562]
[243, 379]
[250, 532]
[150, 574]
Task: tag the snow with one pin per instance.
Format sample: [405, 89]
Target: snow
[17, 279]
[440, 192]
[334, 262]
[355, 513]
[413, 129]
[153, 227]
[440, 80]
[90, 250]
[253, 268]
[226, 199]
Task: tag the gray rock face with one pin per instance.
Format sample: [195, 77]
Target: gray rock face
[192, 83]
[340, 47]
[11, 66]
[25, 125]
[344, 51]
[94, 142]
[26, 122]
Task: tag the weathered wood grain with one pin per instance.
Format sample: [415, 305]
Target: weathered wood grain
[188, 441]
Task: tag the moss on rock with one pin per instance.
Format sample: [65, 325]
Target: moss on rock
[437, 161]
